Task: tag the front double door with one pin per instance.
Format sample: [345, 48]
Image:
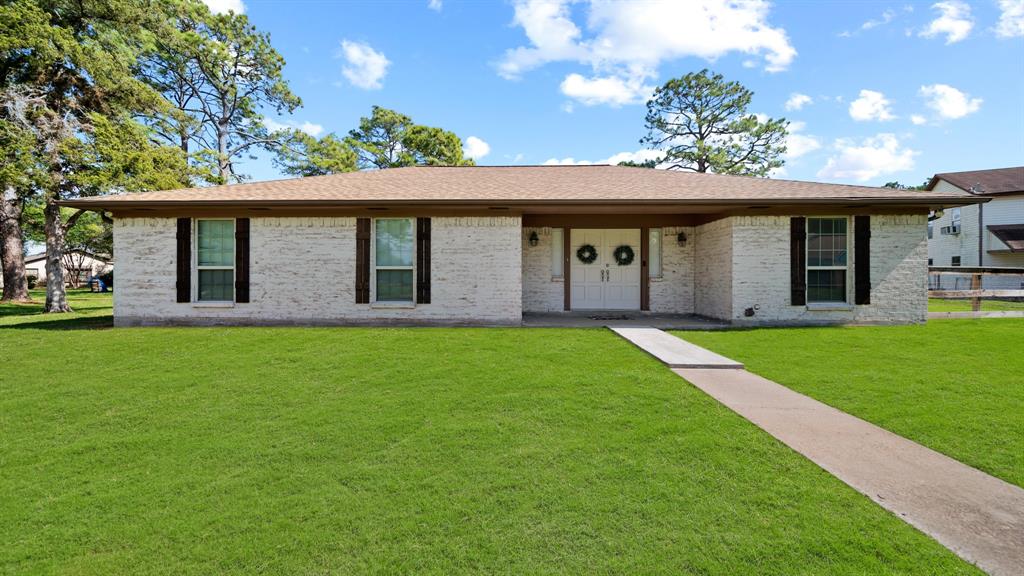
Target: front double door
[605, 284]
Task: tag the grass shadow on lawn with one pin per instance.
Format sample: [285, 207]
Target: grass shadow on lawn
[89, 311]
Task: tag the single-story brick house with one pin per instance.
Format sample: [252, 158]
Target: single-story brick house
[484, 245]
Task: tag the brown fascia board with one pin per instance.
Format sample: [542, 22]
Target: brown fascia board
[946, 201]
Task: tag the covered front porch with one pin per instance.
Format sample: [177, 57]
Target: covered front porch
[620, 319]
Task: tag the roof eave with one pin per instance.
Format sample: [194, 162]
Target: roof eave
[97, 203]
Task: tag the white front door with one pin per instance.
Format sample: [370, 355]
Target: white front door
[603, 284]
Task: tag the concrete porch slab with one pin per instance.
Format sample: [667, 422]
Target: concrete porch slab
[612, 318]
[674, 352]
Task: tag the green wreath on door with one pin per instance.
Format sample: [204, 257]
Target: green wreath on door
[623, 255]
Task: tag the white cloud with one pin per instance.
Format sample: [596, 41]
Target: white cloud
[798, 144]
[638, 156]
[1011, 21]
[611, 90]
[224, 6]
[948, 101]
[310, 128]
[871, 105]
[954, 21]
[626, 41]
[313, 130]
[872, 157]
[365, 66]
[797, 101]
[475, 148]
[918, 119]
[887, 17]
[434, 5]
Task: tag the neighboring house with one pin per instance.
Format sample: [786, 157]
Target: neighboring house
[484, 245]
[990, 234]
[78, 265]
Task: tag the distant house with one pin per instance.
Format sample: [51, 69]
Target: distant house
[486, 245]
[990, 234]
[79, 267]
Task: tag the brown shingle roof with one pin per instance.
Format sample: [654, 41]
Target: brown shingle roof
[521, 185]
[986, 182]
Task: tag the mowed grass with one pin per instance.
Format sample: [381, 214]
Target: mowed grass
[946, 305]
[90, 310]
[956, 386]
[439, 451]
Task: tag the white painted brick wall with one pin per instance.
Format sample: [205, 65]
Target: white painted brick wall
[303, 271]
[673, 292]
[713, 246]
[760, 264]
[541, 291]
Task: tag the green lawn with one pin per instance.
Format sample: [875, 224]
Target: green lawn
[956, 386]
[944, 305]
[233, 450]
[91, 310]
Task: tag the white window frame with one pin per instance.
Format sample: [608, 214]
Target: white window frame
[195, 261]
[373, 247]
[558, 253]
[655, 255]
[807, 259]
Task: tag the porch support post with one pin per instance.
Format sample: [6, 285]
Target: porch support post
[645, 274]
[566, 268]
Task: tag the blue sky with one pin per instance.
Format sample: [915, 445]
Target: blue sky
[876, 91]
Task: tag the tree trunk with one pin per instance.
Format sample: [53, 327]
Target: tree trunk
[56, 295]
[223, 162]
[12, 250]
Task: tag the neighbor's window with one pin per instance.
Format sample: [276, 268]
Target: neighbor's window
[826, 259]
[215, 260]
[394, 259]
[557, 252]
[654, 252]
[955, 261]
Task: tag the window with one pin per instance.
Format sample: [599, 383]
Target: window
[557, 251]
[954, 215]
[215, 260]
[930, 229]
[929, 261]
[394, 259]
[826, 259]
[654, 252]
[955, 261]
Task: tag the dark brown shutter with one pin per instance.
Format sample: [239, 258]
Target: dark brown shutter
[798, 260]
[242, 260]
[362, 260]
[862, 259]
[184, 263]
[423, 260]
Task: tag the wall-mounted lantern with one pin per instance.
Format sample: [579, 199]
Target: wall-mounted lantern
[681, 239]
[534, 240]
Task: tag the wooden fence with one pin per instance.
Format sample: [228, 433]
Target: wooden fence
[976, 284]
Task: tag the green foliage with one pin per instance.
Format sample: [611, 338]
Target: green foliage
[219, 73]
[513, 451]
[389, 139]
[635, 164]
[701, 123]
[304, 155]
[897, 186]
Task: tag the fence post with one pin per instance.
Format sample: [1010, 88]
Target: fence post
[976, 285]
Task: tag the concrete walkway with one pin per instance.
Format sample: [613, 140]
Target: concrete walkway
[674, 352]
[977, 516]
